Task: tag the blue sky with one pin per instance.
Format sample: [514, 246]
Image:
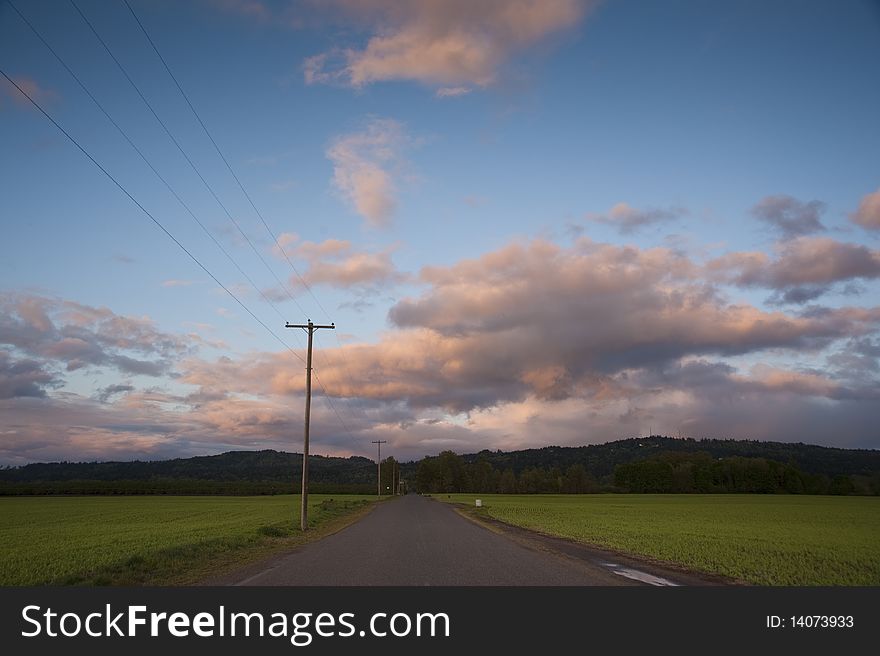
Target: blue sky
[719, 159]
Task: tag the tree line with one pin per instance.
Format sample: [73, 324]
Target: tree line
[672, 472]
[635, 465]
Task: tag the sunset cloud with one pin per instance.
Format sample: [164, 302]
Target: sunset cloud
[539, 320]
[74, 336]
[364, 167]
[789, 216]
[335, 263]
[528, 344]
[24, 377]
[31, 87]
[628, 219]
[868, 213]
[803, 269]
[451, 44]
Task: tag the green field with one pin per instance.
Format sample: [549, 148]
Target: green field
[152, 540]
[760, 539]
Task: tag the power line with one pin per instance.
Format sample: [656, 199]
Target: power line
[241, 187]
[205, 182]
[167, 185]
[225, 161]
[208, 186]
[182, 151]
[145, 210]
[169, 234]
[142, 156]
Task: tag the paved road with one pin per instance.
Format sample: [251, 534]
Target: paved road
[417, 541]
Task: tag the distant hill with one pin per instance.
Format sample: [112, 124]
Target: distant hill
[276, 472]
[655, 465]
[234, 472]
[601, 459]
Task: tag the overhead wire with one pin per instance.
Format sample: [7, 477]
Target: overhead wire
[141, 155]
[208, 187]
[250, 200]
[144, 210]
[158, 223]
[225, 161]
[244, 191]
[180, 148]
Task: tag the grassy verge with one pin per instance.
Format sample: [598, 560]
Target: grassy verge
[154, 540]
[762, 539]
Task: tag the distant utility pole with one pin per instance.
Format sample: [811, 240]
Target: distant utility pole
[304, 511]
[379, 444]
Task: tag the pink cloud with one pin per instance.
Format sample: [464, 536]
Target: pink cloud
[334, 262]
[364, 166]
[802, 269]
[868, 213]
[31, 87]
[446, 43]
[528, 344]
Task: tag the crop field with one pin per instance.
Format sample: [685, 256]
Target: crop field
[152, 540]
[760, 539]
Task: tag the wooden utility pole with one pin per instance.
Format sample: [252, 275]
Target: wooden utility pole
[379, 444]
[304, 498]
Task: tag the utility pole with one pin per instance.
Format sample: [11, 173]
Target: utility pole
[379, 444]
[304, 497]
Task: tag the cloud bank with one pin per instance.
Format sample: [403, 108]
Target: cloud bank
[531, 344]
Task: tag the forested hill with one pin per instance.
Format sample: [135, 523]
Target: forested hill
[274, 472]
[234, 472]
[601, 459]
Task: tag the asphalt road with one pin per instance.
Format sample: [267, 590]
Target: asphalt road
[415, 541]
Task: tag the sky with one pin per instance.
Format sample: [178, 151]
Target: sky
[533, 222]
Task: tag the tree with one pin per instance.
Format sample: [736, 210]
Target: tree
[451, 472]
[427, 476]
[577, 480]
[507, 484]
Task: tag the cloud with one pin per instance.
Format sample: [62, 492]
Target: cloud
[75, 336]
[335, 263]
[868, 213]
[628, 219]
[23, 377]
[537, 320]
[364, 164]
[450, 44]
[452, 92]
[789, 216]
[31, 87]
[177, 283]
[802, 270]
[105, 393]
[529, 344]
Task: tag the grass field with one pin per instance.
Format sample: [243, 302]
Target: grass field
[760, 539]
[152, 540]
